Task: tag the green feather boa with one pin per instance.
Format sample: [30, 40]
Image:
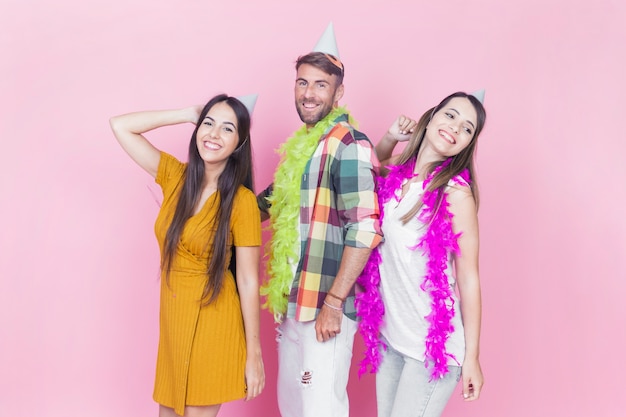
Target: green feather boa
[285, 211]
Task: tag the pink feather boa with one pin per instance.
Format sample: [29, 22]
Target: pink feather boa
[438, 242]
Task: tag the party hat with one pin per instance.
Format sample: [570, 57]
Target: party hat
[480, 95]
[249, 101]
[327, 43]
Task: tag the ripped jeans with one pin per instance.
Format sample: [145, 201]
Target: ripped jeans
[313, 376]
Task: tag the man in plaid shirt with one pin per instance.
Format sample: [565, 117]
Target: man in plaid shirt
[338, 227]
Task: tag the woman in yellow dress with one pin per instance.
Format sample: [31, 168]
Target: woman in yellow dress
[209, 348]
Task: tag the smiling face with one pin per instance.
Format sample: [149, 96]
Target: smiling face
[316, 92]
[218, 136]
[452, 128]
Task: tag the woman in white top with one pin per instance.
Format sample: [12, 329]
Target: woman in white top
[429, 199]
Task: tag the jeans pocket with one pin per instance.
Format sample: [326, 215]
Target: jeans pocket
[457, 370]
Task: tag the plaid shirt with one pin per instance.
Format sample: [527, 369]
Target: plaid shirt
[339, 208]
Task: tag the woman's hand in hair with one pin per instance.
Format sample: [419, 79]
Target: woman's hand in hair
[193, 113]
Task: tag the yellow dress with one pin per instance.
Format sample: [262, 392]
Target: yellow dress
[202, 349]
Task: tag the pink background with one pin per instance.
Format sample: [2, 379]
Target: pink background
[78, 258]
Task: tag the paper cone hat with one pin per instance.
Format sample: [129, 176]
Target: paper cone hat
[327, 43]
[249, 101]
[480, 95]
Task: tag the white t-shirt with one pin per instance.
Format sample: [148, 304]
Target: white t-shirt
[402, 272]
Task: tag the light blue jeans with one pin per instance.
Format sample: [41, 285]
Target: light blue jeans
[403, 388]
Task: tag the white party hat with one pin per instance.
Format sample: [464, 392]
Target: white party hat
[249, 101]
[327, 43]
[480, 95]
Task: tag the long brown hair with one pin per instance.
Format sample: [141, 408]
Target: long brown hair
[463, 160]
[238, 171]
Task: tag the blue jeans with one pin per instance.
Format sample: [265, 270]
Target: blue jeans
[403, 388]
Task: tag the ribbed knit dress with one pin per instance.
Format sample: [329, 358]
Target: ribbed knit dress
[202, 350]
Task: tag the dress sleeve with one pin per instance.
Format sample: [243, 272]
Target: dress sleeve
[170, 169]
[245, 220]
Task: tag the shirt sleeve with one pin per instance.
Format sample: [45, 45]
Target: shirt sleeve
[245, 219]
[354, 177]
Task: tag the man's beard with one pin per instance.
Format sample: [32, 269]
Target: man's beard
[313, 118]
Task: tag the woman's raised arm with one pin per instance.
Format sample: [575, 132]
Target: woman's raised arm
[129, 128]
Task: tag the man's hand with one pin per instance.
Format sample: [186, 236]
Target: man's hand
[328, 323]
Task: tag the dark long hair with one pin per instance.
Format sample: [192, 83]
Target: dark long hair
[238, 171]
[463, 160]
